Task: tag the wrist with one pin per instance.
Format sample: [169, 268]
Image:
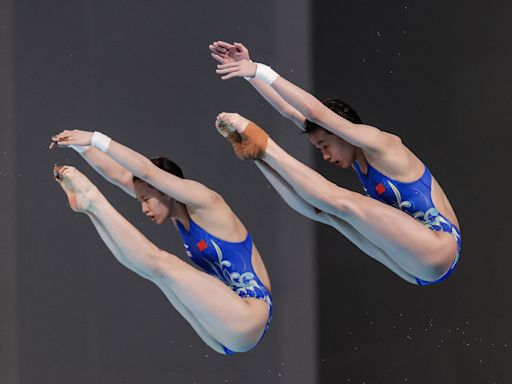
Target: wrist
[100, 141]
[265, 73]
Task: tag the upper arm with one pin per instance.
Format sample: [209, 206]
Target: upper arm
[361, 135]
[186, 191]
[125, 182]
[110, 169]
[279, 104]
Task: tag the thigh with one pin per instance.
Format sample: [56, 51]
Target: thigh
[368, 247]
[416, 248]
[231, 320]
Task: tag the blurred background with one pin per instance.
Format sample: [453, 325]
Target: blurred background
[435, 73]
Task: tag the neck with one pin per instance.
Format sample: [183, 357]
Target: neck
[180, 213]
[359, 157]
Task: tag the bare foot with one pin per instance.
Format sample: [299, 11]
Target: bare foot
[79, 190]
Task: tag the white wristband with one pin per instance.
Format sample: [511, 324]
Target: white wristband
[265, 73]
[100, 141]
[79, 148]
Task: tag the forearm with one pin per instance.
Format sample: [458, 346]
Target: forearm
[305, 103]
[108, 168]
[184, 190]
[279, 104]
[313, 109]
[135, 163]
[360, 135]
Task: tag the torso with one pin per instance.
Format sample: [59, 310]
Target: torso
[223, 227]
[401, 165]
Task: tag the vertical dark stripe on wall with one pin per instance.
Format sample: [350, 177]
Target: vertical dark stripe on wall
[296, 246]
[8, 331]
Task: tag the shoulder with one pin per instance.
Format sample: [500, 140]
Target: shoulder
[381, 142]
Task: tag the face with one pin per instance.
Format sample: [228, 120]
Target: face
[334, 149]
[155, 205]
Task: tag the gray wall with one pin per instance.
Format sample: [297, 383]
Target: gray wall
[438, 74]
[8, 218]
[140, 72]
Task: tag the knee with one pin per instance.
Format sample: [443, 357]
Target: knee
[347, 202]
[435, 266]
[159, 263]
[244, 336]
[243, 340]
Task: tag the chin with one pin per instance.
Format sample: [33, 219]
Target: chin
[342, 165]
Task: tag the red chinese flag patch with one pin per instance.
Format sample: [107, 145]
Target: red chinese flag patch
[202, 245]
[380, 188]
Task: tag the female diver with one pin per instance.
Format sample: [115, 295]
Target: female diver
[229, 304]
[405, 222]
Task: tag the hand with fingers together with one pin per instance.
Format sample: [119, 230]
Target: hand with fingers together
[228, 53]
[71, 138]
[242, 68]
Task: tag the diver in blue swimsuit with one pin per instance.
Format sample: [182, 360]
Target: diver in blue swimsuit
[405, 221]
[227, 299]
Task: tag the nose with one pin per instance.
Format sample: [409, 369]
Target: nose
[144, 207]
[326, 156]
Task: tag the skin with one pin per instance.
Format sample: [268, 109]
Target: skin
[221, 317]
[387, 234]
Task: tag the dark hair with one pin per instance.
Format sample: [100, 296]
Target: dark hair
[341, 108]
[167, 165]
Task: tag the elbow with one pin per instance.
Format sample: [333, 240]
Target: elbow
[313, 112]
[144, 171]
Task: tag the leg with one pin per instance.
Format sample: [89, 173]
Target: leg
[175, 301]
[415, 248]
[230, 320]
[297, 203]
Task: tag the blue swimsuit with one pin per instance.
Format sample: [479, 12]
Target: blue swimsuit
[414, 198]
[227, 261]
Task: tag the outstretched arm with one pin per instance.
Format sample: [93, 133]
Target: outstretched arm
[360, 135]
[186, 191]
[230, 53]
[107, 167]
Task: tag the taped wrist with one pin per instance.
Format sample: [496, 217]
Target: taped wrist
[100, 141]
[265, 73]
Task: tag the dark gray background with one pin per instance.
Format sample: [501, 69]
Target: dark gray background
[436, 73]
